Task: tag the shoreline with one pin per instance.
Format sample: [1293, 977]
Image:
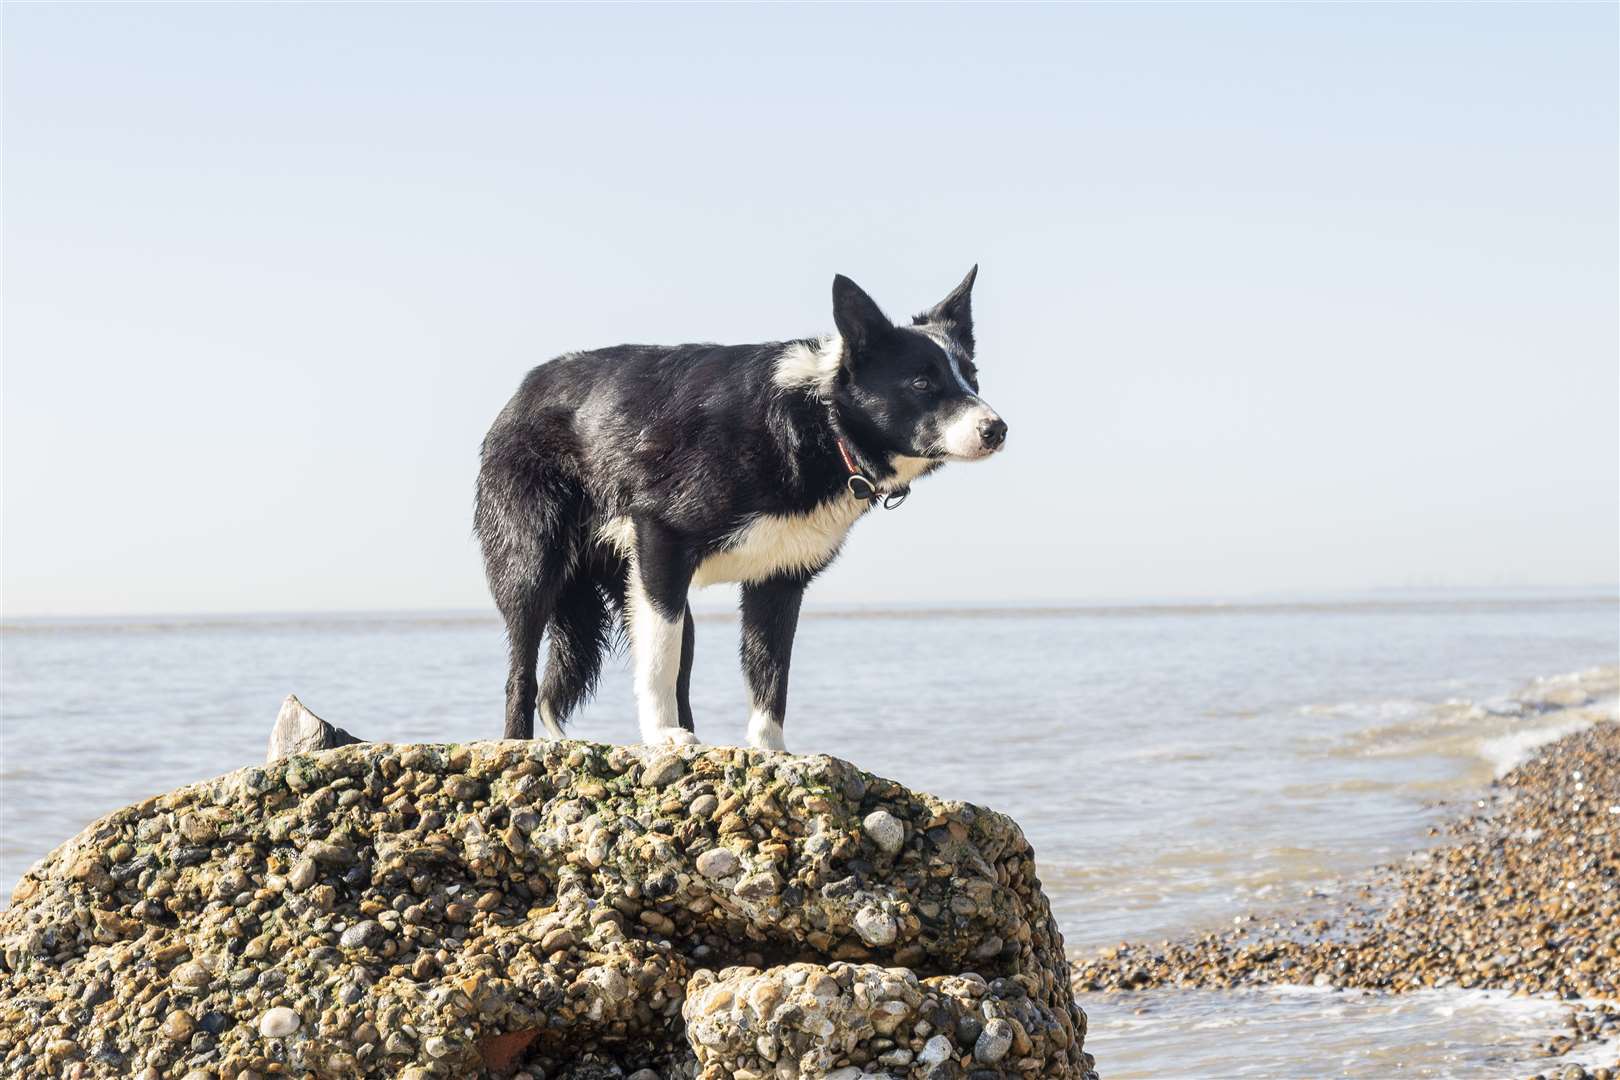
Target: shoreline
[1520, 893]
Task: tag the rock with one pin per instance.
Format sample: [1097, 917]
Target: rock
[191, 975]
[299, 731]
[885, 830]
[179, 1026]
[936, 1050]
[717, 863]
[361, 934]
[278, 1023]
[554, 909]
[876, 927]
[302, 875]
[663, 769]
[993, 1042]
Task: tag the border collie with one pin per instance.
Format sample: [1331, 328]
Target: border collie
[615, 480]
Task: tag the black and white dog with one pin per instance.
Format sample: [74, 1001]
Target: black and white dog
[615, 480]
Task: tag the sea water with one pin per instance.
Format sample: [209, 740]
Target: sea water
[1174, 765]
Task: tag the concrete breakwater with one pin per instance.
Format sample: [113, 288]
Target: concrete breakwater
[540, 909]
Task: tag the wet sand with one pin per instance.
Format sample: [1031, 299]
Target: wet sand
[1521, 893]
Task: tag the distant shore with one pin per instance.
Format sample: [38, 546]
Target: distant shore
[1522, 895]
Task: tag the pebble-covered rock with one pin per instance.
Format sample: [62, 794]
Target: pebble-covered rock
[547, 909]
[818, 1021]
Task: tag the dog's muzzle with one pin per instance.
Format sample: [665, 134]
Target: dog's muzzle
[976, 432]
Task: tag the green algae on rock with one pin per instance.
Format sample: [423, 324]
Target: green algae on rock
[560, 909]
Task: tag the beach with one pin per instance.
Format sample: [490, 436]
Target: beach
[1520, 895]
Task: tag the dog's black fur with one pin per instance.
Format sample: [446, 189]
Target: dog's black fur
[614, 478]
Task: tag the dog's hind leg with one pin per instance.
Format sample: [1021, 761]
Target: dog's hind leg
[683, 682]
[525, 619]
[770, 616]
[527, 519]
[581, 630]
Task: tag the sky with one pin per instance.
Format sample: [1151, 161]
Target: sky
[1275, 299]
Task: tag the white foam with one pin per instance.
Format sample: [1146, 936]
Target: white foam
[1303, 1030]
[1507, 752]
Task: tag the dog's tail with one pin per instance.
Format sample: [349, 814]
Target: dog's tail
[582, 632]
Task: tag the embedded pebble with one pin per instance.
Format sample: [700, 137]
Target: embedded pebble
[717, 863]
[993, 1042]
[279, 1022]
[886, 831]
[876, 927]
[935, 1050]
[179, 1026]
[191, 975]
[361, 934]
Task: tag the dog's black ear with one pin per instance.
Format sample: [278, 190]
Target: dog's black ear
[955, 312]
[857, 316]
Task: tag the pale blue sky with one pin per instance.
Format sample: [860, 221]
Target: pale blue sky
[1274, 298]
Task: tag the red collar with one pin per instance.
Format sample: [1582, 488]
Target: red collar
[862, 486]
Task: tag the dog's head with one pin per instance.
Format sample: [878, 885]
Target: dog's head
[914, 390]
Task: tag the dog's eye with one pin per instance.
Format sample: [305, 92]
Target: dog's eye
[921, 383]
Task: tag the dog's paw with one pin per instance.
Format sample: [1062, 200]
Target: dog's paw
[673, 737]
[765, 733]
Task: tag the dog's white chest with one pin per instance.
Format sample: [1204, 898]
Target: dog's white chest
[772, 544]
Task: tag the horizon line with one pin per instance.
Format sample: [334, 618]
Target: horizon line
[1387, 598]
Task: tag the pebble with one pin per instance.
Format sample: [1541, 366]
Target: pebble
[361, 934]
[717, 863]
[993, 1042]
[279, 1022]
[191, 975]
[876, 926]
[302, 875]
[663, 771]
[178, 1026]
[935, 1050]
[885, 830]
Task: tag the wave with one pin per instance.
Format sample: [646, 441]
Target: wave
[1499, 733]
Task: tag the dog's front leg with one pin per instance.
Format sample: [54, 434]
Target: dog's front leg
[770, 615]
[660, 575]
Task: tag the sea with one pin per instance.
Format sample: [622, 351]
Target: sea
[1176, 765]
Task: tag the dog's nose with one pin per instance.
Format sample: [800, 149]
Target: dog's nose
[993, 432]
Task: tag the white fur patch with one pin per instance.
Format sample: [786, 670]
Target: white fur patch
[656, 643]
[809, 365]
[939, 336]
[962, 438]
[770, 544]
[764, 732]
[553, 729]
[619, 534]
[906, 469]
